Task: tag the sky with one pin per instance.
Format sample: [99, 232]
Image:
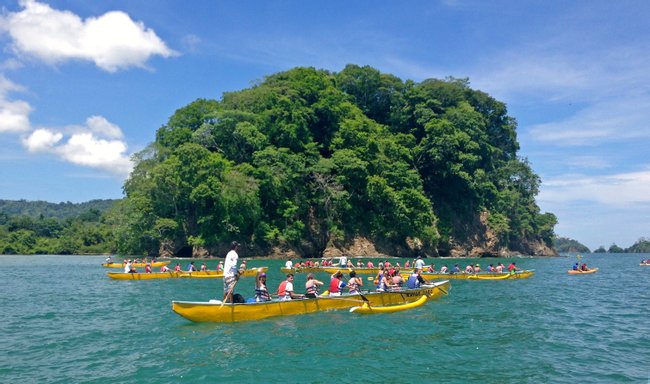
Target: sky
[86, 84]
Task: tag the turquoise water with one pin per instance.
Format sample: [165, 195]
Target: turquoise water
[64, 321]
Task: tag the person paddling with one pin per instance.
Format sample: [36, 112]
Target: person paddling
[415, 279]
[312, 286]
[336, 284]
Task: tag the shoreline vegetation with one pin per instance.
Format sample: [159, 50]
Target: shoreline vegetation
[310, 163]
[17, 225]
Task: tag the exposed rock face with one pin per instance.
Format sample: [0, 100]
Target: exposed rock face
[479, 241]
[200, 252]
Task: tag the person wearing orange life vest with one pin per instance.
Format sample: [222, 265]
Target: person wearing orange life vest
[336, 284]
[285, 290]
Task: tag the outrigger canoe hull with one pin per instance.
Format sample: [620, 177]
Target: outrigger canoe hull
[572, 272]
[183, 274]
[476, 276]
[367, 309]
[135, 265]
[216, 311]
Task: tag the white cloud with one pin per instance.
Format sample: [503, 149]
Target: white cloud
[14, 114]
[95, 145]
[607, 121]
[617, 190]
[42, 140]
[112, 41]
[103, 127]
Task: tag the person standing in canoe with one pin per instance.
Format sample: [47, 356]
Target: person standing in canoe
[343, 261]
[230, 272]
[419, 263]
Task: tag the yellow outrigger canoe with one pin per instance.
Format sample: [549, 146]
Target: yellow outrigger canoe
[135, 265]
[301, 270]
[476, 276]
[217, 311]
[180, 274]
[367, 309]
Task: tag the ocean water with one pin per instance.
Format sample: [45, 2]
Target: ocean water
[62, 320]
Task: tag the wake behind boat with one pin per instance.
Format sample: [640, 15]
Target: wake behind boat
[216, 311]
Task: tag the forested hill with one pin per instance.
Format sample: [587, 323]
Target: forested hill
[310, 161]
[63, 210]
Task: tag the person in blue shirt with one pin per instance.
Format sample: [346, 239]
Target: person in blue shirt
[191, 267]
[575, 267]
[415, 279]
[455, 269]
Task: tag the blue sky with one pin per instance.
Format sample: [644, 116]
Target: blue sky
[85, 84]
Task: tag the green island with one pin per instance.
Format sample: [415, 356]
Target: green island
[309, 163]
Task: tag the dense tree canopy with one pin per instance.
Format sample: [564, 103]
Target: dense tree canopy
[308, 159]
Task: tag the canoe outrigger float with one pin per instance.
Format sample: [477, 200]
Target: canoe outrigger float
[216, 311]
[579, 272]
[135, 265]
[367, 309]
[181, 274]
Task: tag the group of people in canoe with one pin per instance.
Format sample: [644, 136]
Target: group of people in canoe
[338, 284]
[580, 267]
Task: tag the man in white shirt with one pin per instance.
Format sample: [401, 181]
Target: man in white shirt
[230, 272]
[288, 264]
[419, 263]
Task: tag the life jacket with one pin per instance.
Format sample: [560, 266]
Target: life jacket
[282, 289]
[262, 294]
[353, 286]
[334, 285]
[313, 289]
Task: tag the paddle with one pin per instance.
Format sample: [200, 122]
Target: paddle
[358, 290]
[230, 292]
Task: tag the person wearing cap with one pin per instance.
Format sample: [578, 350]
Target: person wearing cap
[230, 272]
[311, 286]
[261, 291]
[220, 266]
[419, 263]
